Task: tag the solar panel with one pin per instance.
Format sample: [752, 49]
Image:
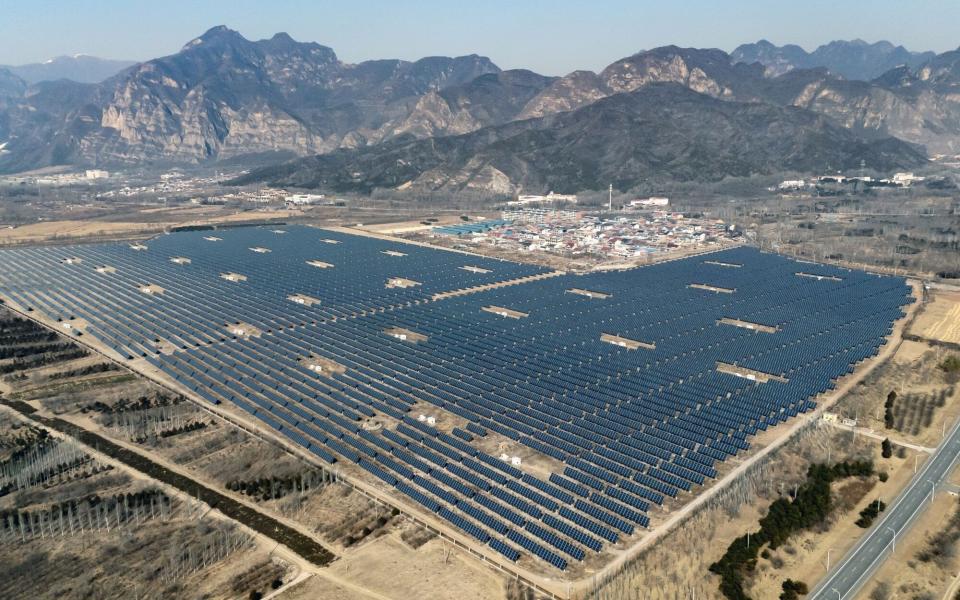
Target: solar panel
[630, 427]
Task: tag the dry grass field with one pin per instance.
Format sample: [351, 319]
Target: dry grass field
[137, 224]
[926, 402]
[940, 319]
[434, 571]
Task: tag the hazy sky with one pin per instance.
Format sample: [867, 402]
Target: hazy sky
[549, 37]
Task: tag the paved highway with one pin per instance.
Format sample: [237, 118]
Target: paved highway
[850, 574]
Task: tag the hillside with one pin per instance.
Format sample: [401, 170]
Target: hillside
[916, 105]
[660, 131]
[223, 96]
[226, 98]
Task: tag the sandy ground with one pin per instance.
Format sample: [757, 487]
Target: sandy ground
[369, 231]
[435, 571]
[320, 588]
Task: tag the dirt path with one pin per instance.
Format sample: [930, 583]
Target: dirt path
[874, 435]
[392, 238]
[495, 285]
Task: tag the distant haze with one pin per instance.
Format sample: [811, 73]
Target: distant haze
[551, 37]
[80, 68]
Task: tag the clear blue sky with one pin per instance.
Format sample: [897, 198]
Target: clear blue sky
[550, 37]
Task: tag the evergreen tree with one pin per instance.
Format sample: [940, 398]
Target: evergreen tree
[886, 448]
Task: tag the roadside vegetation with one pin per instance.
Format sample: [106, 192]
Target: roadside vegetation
[809, 507]
[951, 368]
[870, 513]
[941, 547]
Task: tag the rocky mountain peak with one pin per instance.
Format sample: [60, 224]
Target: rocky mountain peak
[224, 96]
[901, 76]
[10, 84]
[282, 36]
[943, 70]
[221, 34]
[282, 44]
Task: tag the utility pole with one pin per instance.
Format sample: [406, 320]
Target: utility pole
[610, 199]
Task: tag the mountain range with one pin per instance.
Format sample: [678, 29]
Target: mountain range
[463, 122]
[850, 59]
[659, 131]
[79, 67]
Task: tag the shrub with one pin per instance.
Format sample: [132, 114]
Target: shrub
[868, 514]
[951, 364]
[951, 367]
[888, 409]
[886, 448]
[881, 592]
[793, 590]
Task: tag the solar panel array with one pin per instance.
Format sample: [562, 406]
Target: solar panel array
[620, 427]
[64, 282]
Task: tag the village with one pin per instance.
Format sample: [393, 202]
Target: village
[590, 239]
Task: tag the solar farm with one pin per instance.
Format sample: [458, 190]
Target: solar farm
[412, 369]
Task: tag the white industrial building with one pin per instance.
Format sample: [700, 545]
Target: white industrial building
[906, 179]
[536, 199]
[304, 199]
[792, 184]
[651, 201]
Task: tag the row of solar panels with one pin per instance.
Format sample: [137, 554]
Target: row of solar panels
[629, 427]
